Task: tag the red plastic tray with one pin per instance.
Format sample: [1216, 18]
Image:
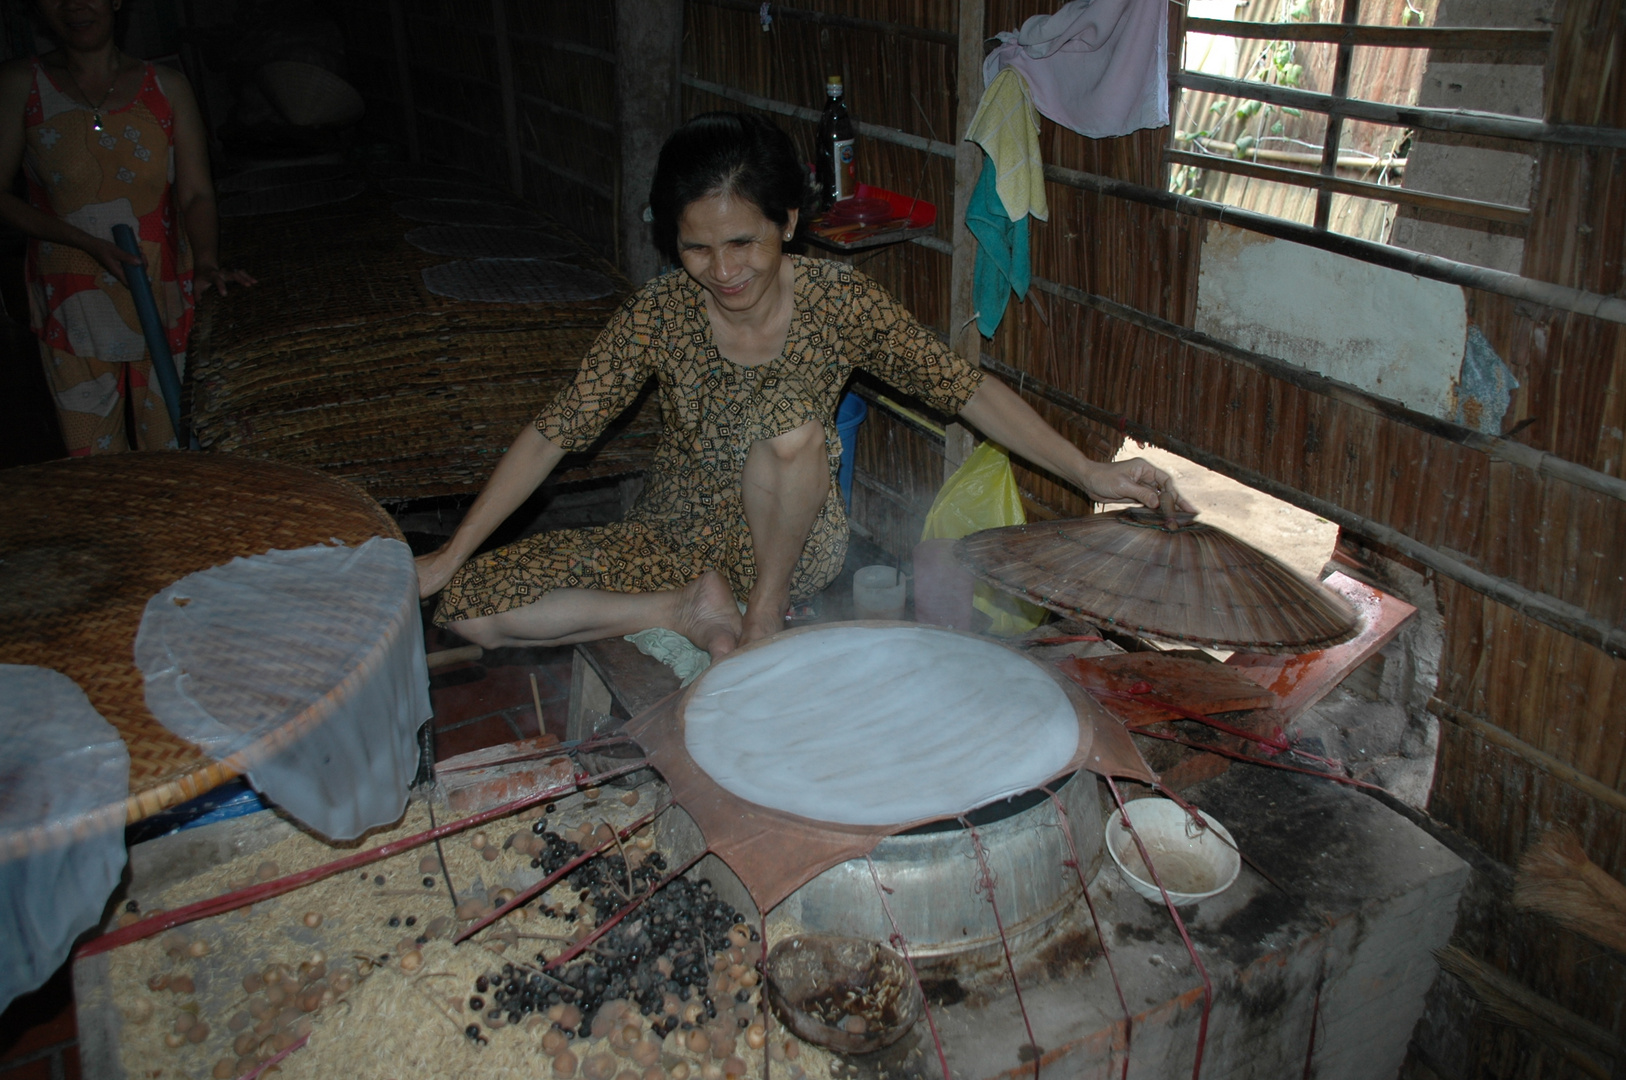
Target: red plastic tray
[911, 217]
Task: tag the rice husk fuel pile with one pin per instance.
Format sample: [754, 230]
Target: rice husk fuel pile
[362, 965]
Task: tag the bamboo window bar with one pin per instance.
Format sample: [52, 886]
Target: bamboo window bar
[1461, 39]
[1330, 184]
[1454, 121]
[1338, 106]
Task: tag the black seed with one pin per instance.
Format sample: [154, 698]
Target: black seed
[412, 920]
[476, 1004]
[421, 939]
[550, 808]
[428, 882]
[482, 984]
[378, 879]
[494, 1014]
[383, 958]
[513, 1017]
[472, 1031]
[395, 920]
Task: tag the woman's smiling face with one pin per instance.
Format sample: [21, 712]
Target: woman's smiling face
[79, 24]
[731, 249]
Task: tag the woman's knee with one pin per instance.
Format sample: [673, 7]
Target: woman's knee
[482, 631]
[796, 446]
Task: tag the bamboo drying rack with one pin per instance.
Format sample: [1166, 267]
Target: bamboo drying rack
[84, 543]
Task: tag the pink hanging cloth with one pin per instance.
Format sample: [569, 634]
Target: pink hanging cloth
[1099, 67]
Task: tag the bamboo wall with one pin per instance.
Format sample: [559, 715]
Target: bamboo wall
[1533, 720]
[441, 79]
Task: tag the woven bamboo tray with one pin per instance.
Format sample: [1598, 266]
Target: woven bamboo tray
[84, 544]
[342, 361]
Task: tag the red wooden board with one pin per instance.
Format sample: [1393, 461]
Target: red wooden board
[1194, 685]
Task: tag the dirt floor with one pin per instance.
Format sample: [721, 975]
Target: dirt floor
[1297, 537]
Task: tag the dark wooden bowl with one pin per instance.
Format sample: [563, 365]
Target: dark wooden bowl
[824, 987]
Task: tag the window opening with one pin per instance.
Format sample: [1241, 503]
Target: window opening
[1307, 109]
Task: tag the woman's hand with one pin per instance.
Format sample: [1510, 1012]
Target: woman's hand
[1134, 480]
[206, 277]
[435, 570]
[112, 257]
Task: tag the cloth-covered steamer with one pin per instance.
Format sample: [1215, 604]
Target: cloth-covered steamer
[817, 867]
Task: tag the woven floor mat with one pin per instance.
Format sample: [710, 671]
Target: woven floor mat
[447, 212]
[88, 541]
[342, 270]
[516, 281]
[485, 242]
[342, 359]
[287, 197]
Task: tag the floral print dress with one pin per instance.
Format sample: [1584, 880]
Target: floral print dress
[91, 342]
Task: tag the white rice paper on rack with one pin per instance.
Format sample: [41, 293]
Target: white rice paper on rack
[323, 640]
[878, 725]
[63, 769]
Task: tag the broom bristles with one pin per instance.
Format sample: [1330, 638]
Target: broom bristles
[1511, 1002]
[1556, 878]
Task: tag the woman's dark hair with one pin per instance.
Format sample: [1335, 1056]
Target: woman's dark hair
[716, 153]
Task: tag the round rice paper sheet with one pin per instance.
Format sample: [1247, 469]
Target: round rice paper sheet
[286, 197]
[450, 212]
[516, 281]
[477, 242]
[878, 725]
[64, 779]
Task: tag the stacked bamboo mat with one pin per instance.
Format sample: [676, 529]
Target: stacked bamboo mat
[85, 542]
[342, 360]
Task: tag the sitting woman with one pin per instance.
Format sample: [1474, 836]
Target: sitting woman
[751, 349]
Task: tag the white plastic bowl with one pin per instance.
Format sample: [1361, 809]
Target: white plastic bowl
[1193, 862]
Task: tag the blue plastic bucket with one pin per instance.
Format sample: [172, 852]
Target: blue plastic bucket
[849, 415]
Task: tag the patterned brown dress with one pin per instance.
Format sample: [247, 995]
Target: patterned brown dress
[690, 516]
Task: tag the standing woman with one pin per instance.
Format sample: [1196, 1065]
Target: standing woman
[106, 139]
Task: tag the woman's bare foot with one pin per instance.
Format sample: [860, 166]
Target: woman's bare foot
[707, 615]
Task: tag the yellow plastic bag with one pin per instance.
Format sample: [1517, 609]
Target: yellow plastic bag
[982, 494]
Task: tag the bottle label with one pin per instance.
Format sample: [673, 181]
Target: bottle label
[846, 169]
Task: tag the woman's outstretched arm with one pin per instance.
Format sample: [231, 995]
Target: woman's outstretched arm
[528, 462]
[999, 413]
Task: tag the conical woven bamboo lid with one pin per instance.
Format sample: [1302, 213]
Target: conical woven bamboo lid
[1168, 577]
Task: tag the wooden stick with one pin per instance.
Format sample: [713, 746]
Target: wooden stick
[219, 905]
[548, 882]
[536, 701]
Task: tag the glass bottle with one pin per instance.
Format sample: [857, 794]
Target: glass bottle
[836, 168]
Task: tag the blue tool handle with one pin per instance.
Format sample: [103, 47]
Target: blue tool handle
[152, 328]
